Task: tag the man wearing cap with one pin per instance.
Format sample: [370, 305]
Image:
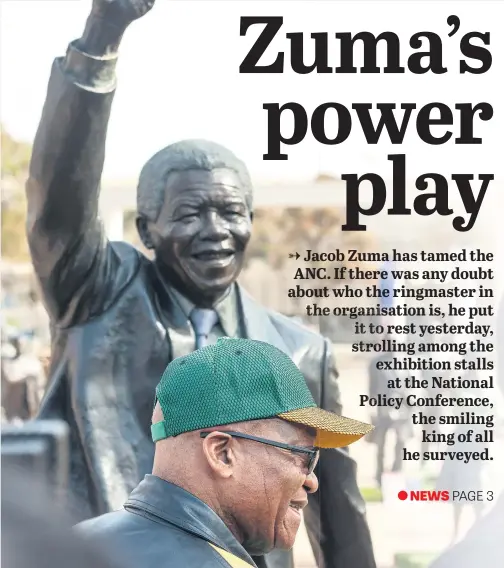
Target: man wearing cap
[118, 318]
[234, 461]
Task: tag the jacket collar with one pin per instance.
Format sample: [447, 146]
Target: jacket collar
[176, 307]
[178, 507]
[255, 319]
[226, 309]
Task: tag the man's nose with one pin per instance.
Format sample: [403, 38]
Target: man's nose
[214, 227]
[311, 483]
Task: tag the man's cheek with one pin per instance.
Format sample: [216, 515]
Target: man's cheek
[176, 247]
[242, 236]
[242, 227]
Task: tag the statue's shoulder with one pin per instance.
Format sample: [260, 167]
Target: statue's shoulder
[125, 251]
[129, 260]
[295, 329]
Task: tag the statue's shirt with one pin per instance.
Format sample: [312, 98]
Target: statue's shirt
[227, 309]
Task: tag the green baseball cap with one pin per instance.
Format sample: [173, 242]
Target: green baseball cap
[237, 380]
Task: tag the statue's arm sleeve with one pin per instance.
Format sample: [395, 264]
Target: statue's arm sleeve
[71, 256]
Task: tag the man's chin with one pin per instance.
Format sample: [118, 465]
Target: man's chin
[258, 550]
[213, 274]
[285, 543]
[281, 544]
[211, 288]
[213, 285]
[286, 535]
[284, 540]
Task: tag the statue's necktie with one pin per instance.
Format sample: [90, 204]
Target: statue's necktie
[203, 321]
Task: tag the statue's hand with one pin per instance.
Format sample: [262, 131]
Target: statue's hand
[121, 13]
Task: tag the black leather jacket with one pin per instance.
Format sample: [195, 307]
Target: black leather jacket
[162, 525]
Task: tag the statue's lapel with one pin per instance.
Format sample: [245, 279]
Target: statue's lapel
[257, 323]
[179, 332]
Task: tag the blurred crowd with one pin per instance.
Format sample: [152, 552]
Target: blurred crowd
[25, 354]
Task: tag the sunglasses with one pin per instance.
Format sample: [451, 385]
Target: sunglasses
[312, 454]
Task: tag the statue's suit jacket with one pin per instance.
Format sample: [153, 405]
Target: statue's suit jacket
[115, 329]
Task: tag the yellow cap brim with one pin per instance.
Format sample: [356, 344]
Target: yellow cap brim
[333, 431]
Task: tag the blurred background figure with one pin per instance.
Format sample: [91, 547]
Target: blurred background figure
[386, 418]
[36, 516]
[23, 377]
[459, 476]
[35, 534]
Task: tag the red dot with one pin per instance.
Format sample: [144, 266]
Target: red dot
[402, 495]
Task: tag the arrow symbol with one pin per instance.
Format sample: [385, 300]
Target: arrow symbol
[294, 255]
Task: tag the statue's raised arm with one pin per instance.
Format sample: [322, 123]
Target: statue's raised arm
[74, 262]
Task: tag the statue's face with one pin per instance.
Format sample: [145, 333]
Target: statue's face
[202, 230]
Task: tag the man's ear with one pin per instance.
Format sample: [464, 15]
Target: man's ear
[251, 216]
[219, 453]
[142, 225]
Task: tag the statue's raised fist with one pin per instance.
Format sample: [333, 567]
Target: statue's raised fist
[121, 12]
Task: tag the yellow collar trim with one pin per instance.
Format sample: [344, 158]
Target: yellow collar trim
[231, 559]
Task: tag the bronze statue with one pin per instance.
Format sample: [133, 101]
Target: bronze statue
[119, 318]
